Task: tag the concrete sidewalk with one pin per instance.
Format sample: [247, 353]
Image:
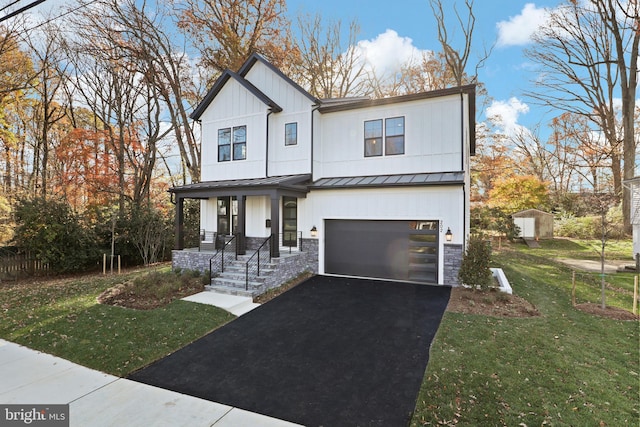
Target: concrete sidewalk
[97, 399]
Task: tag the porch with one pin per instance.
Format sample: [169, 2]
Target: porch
[253, 272]
[272, 210]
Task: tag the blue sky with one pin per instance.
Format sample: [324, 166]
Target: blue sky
[395, 27]
[393, 31]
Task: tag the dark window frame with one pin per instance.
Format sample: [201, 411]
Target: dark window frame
[240, 144]
[290, 139]
[232, 145]
[224, 145]
[394, 142]
[394, 138]
[373, 139]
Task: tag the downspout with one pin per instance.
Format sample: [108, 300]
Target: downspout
[266, 163]
[466, 172]
[313, 110]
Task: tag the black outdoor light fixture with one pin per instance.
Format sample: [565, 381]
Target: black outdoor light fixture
[314, 231]
[448, 235]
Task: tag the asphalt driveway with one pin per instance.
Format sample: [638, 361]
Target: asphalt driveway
[329, 352]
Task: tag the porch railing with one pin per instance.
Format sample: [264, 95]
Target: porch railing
[260, 258]
[225, 251]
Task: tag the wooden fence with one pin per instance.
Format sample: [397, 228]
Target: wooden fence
[14, 266]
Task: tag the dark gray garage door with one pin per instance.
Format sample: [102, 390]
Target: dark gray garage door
[398, 250]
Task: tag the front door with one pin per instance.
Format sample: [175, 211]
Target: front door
[289, 221]
[227, 215]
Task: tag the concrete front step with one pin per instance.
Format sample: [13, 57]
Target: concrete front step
[231, 290]
[237, 282]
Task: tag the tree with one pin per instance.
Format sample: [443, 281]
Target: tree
[492, 162]
[588, 52]
[54, 234]
[326, 66]
[227, 32]
[517, 193]
[149, 230]
[119, 89]
[51, 74]
[457, 60]
[16, 76]
[166, 67]
[6, 222]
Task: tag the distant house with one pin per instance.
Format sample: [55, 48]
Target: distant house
[534, 223]
[367, 188]
[634, 187]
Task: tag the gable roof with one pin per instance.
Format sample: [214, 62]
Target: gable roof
[254, 58]
[221, 82]
[240, 78]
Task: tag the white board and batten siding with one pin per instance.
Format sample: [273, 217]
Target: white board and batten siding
[433, 140]
[234, 106]
[296, 108]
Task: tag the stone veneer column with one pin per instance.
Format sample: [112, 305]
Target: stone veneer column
[452, 260]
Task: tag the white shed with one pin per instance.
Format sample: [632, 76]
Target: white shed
[534, 223]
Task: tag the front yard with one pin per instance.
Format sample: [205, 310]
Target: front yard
[555, 365]
[64, 318]
[564, 367]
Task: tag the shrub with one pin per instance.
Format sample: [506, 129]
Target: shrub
[474, 270]
[148, 230]
[484, 218]
[55, 235]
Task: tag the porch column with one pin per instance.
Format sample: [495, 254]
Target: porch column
[179, 243]
[275, 225]
[241, 244]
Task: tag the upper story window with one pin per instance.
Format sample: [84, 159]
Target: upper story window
[238, 143]
[393, 135]
[224, 145]
[291, 134]
[373, 138]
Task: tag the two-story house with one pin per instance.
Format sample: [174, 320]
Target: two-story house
[369, 188]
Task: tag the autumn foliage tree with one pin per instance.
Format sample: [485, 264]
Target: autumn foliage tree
[227, 32]
[516, 193]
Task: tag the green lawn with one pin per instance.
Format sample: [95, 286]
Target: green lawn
[564, 368]
[64, 319]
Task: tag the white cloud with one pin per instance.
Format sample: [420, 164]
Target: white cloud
[385, 54]
[505, 114]
[519, 29]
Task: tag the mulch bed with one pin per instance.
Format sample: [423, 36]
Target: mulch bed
[490, 303]
[608, 312]
[328, 352]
